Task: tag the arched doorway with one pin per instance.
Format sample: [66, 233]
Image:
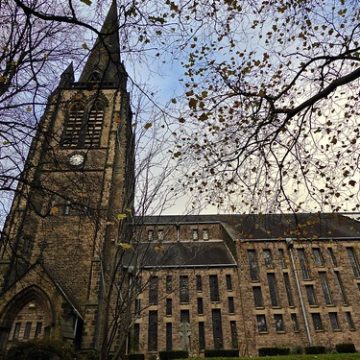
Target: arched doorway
[27, 316]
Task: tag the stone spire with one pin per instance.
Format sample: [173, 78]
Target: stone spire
[103, 64]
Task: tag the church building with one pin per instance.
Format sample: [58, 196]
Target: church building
[76, 265]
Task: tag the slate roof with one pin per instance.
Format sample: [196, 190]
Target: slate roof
[271, 226]
[184, 254]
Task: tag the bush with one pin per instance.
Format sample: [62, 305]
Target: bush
[167, 355]
[136, 357]
[315, 350]
[345, 348]
[40, 350]
[221, 353]
[273, 351]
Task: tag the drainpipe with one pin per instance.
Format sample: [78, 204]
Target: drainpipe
[290, 246]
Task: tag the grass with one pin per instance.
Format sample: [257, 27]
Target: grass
[354, 356]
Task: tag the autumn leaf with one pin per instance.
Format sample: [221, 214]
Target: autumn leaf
[54, 211]
[121, 216]
[125, 246]
[86, 2]
[147, 125]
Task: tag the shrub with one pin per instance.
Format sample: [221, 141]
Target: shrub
[273, 351]
[345, 348]
[221, 353]
[167, 355]
[315, 350]
[136, 357]
[40, 350]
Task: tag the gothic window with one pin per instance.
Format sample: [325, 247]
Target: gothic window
[153, 290]
[16, 330]
[234, 335]
[198, 283]
[325, 288]
[184, 316]
[334, 321]
[153, 331]
[258, 298]
[168, 307]
[253, 265]
[288, 289]
[295, 322]
[200, 306]
[95, 77]
[279, 323]
[231, 305]
[340, 287]
[273, 289]
[214, 288]
[184, 289]
[228, 282]
[195, 234]
[303, 264]
[160, 234]
[205, 234]
[217, 328]
[282, 258]
[81, 129]
[332, 257]
[93, 127]
[354, 261]
[73, 126]
[349, 320]
[136, 337]
[168, 284]
[27, 330]
[38, 329]
[318, 258]
[137, 307]
[261, 323]
[201, 336]
[310, 292]
[169, 337]
[268, 258]
[316, 317]
[150, 235]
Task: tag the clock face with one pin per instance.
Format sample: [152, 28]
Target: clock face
[76, 159]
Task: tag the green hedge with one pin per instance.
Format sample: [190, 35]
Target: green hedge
[315, 350]
[40, 350]
[273, 351]
[221, 353]
[345, 348]
[175, 354]
[136, 357]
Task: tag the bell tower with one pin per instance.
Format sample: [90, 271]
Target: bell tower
[78, 178]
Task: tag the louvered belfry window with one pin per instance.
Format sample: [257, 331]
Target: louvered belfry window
[73, 126]
[94, 125]
[83, 129]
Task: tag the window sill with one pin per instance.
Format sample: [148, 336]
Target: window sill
[337, 330]
[259, 307]
[276, 307]
[320, 331]
[281, 332]
[313, 306]
[330, 305]
[263, 332]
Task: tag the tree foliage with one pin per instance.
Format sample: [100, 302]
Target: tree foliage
[273, 106]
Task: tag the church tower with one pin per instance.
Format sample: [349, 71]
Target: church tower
[69, 212]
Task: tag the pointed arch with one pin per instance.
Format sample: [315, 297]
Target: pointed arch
[94, 124]
[73, 125]
[30, 310]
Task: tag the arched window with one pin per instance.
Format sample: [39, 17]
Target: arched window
[83, 129]
[73, 126]
[94, 125]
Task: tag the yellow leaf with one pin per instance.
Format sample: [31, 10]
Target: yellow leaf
[29, 109]
[3, 79]
[147, 125]
[121, 216]
[54, 210]
[85, 46]
[126, 246]
[86, 2]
